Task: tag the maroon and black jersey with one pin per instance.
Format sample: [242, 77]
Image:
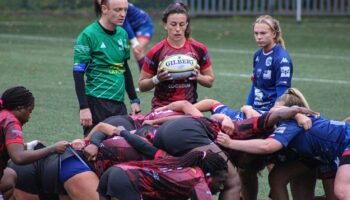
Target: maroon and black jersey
[10, 132]
[166, 183]
[170, 91]
[254, 127]
[113, 151]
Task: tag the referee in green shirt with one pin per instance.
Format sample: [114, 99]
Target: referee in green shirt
[101, 52]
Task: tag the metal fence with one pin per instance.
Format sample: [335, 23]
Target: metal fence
[276, 7]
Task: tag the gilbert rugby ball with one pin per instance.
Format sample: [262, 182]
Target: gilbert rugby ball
[179, 66]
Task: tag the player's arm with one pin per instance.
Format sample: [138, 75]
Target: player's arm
[206, 104]
[285, 113]
[108, 129]
[148, 81]
[130, 90]
[181, 106]
[249, 111]
[206, 77]
[227, 124]
[82, 58]
[256, 146]
[140, 144]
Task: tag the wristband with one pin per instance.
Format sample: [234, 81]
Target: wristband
[135, 101]
[134, 42]
[155, 80]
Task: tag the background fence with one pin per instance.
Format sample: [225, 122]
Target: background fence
[276, 7]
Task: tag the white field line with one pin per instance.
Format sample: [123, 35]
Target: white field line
[302, 55]
[315, 80]
[219, 50]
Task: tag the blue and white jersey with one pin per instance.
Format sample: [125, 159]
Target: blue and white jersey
[326, 140]
[270, 71]
[136, 21]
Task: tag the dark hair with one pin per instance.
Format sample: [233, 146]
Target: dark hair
[98, 9]
[211, 163]
[178, 8]
[15, 97]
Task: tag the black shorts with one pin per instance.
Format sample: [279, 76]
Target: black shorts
[179, 136]
[121, 120]
[102, 109]
[40, 177]
[116, 183]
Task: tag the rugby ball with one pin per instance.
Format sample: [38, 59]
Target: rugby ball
[179, 66]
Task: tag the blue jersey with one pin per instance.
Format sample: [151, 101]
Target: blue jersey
[137, 22]
[326, 140]
[272, 75]
[231, 113]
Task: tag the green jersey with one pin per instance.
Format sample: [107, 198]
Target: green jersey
[104, 55]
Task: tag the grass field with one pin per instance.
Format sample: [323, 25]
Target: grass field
[37, 51]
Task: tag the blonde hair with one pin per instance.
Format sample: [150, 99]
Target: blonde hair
[293, 97]
[274, 25]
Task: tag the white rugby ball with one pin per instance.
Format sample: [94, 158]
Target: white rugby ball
[179, 66]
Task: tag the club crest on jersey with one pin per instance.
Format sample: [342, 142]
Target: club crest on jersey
[267, 74]
[285, 71]
[268, 61]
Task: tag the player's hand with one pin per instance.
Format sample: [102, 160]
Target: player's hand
[78, 144]
[223, 139]
[137, 50]
[59, 147]
[90, 152]
[195, 74]
[85, 117]
[227, 126]
[163, 75]
[148, 122]
[166, 107]
[303, 121]
[135, 108]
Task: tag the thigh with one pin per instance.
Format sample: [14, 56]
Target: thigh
[79, 189]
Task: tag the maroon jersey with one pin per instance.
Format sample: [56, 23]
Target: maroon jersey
[165, 183]
[170, 91]
[113, 151]
[10, 132]
[254, 127]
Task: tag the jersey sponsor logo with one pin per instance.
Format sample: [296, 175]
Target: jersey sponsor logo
[284, 60]
[267, 74]
[183, 85]
[285, 71]
[268, 61]
[258, 94]
[280, 130]
[257, 59]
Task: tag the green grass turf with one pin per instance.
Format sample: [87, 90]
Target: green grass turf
[37, 51]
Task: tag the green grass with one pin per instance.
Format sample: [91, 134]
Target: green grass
[37, 51]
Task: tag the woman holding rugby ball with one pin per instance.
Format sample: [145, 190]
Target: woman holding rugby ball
[176, 20]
